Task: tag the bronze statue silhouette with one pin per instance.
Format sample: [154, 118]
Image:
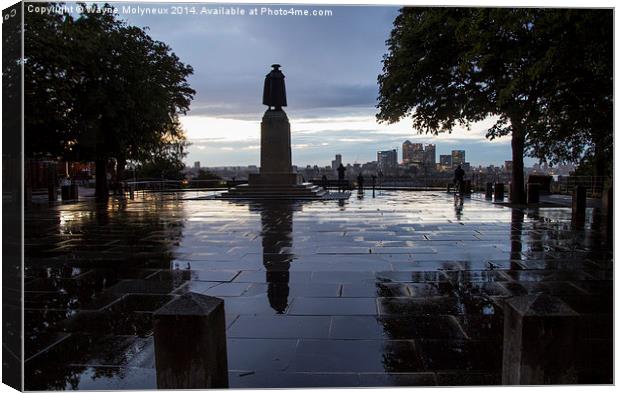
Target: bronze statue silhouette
[274, 92]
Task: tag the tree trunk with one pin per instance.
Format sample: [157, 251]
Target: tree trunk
[101, 180]
[517, 185]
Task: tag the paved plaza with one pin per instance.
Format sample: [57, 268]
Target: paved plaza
[406, 288]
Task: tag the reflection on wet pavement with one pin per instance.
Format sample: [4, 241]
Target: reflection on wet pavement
[401, 289]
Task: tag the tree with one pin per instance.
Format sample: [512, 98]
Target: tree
[165, 160]
[206, 175]
[49, 124]
[122, 91]
[449, 66]
[577, 124]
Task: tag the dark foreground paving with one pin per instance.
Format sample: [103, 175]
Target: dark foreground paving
[402, 289]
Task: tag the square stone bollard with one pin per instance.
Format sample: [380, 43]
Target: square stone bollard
[190, 343]
[69, 192]
[466, 187]
[52, 193]
[489, 191]
[499, 191]
[540, 341]
[579, 207]
[533, 193]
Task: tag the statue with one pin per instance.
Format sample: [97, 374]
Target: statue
[274, 93]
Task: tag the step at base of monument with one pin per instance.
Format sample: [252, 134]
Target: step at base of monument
[275, 192]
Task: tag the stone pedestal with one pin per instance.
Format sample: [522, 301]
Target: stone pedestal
[466, 187]
[69, 193]
[540, 338]
[489, 191]
[533, 193]
[499, 191]
[275, 151]
[579, 206]
[190, 343]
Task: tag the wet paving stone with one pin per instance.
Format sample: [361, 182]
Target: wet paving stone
[397, 290]
[468, 379]
[397, 379]
[333, 306]
[357, 356]
[280, 327]
[275, 380]
[461, 354]
[265, 354]
[440, 305]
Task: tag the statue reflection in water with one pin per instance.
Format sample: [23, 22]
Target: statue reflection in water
[277, 234]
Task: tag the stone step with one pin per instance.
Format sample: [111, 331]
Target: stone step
[296, 191]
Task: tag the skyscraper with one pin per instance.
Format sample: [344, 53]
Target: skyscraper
[429, 155]
[407, 152]
[458, 157]
[417, 155]
[445, 160]
[336, 162]
[387, 162]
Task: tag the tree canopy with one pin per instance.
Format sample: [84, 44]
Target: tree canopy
[455, 66]
[98, 88]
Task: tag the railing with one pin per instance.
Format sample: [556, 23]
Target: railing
[593, 184]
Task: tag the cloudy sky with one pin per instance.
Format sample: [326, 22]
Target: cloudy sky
[331, 65]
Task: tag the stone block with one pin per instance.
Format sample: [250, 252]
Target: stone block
[533, 193]
[489, 191]
[540, 335]
[190, 343]
[579, 206]
[499, 191]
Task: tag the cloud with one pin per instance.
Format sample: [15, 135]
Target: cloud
[331, 66]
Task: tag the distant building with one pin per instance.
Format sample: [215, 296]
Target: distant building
[407, 152]
[336, 162]
[429, 155]
[387, 162]
[445, 160]
[197, 165]
[417, 155]
[458, 157]
[507, 166]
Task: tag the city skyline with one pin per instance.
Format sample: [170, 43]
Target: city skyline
[331, 92]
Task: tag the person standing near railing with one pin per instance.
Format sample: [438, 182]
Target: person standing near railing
[341, 170]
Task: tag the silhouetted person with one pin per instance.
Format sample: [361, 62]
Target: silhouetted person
[324, 181]
[360, 183]
[374, 182]
[341, 170]
[459, 176]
